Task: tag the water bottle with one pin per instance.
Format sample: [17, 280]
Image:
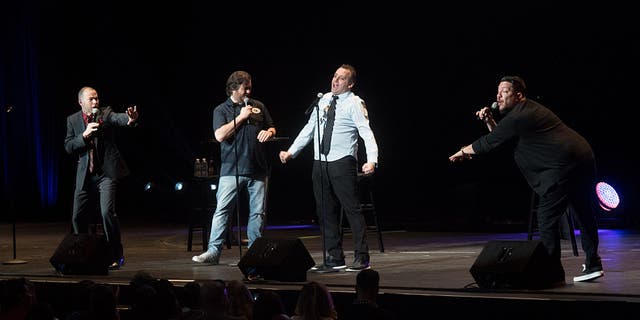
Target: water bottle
[197, 168]
[212, 170]
[204, 169]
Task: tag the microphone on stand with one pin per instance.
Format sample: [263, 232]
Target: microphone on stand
[315, 103]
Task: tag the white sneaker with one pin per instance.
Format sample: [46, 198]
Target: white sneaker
[590, 274]
[206, 257]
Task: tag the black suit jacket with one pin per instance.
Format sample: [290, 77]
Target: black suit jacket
[108, 155]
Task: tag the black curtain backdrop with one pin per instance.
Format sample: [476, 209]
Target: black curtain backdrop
[423, 74]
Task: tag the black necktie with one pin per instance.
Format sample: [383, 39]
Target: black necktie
[328, 128]
[91, 146]
[93, 150]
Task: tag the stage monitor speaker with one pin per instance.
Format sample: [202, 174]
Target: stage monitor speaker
[84, 254]
[276, 259]
[516, 265]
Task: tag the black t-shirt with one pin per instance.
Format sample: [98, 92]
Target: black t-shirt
[251, 152]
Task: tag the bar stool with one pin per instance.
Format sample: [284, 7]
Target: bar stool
[568, 223]
[368, 208]
[198, 222]
[199, 216]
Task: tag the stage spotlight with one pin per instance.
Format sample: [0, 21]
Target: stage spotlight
[213, 187]
[178, 186]
[607, 195]
[148, 187]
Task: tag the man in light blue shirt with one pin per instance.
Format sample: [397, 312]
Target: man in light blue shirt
[335, 169]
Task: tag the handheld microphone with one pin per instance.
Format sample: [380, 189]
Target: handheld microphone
[494, 108]
[94, 114]
[314, 103]
[246, 101]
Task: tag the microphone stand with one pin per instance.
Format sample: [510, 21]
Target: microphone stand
[10, 205]
[235, 150]
[323, 268]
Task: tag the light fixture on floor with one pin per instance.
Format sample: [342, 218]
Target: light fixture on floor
[607, 196]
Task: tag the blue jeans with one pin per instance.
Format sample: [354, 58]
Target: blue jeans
[226, 198]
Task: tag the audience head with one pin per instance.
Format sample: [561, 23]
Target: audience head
[269, 306]
[368, 280]
[190, 295]
[17, 294]
[315, 302]
[213, 298]
[103, 302]
[240, 299]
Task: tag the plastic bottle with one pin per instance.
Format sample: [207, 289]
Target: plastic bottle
[212, 170]
[197, 168]
[204, 170]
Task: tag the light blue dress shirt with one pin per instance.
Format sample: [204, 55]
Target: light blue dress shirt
[351, 121]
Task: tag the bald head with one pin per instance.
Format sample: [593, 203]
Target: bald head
[88, 99]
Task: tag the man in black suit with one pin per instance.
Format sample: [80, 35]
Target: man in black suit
[556, 161]
[91, 135]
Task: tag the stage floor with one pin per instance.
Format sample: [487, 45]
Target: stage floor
[413, 263]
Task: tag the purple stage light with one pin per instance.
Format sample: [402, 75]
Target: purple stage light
[607, 195]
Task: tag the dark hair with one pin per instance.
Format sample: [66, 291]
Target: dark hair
[368, 279]
[190, 295]
[236, 79]
[315, 302]
[517, 82]
[268, 304]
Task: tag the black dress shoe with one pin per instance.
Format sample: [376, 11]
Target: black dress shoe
[117, 264]
[332, 264]
[359, 264]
